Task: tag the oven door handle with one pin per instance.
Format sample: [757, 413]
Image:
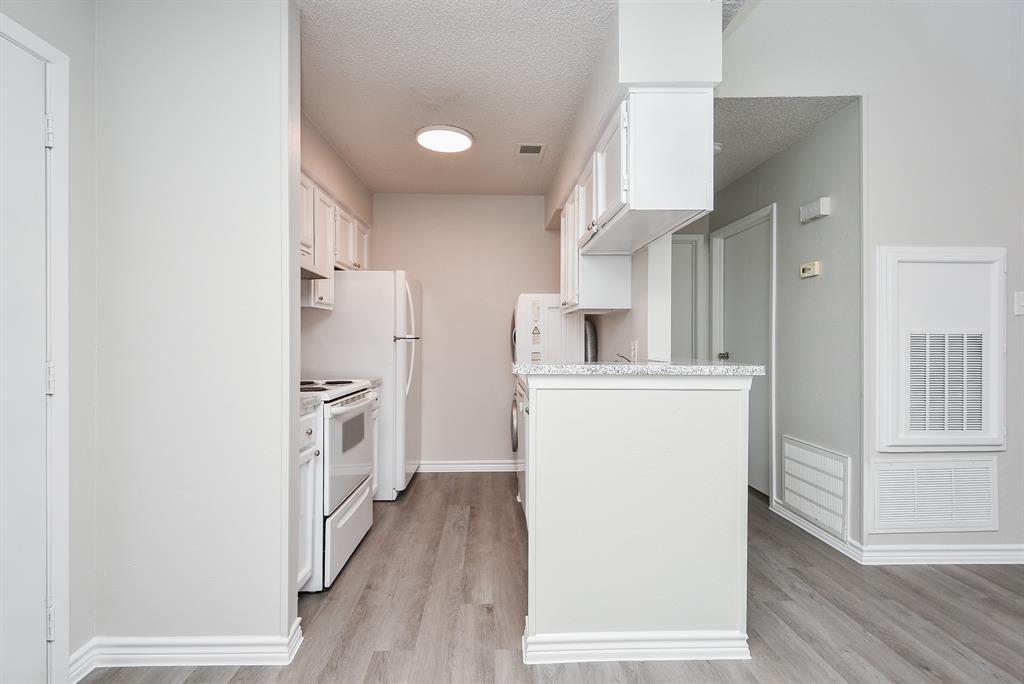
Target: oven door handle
[351, 408]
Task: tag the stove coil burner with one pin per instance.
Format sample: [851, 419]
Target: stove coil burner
[312, 388]
[338, 382]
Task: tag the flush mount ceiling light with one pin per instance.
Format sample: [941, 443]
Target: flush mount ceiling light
[444, 138]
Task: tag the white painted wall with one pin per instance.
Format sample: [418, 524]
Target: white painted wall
[323, 163]
[942, 162]
[473, 255]
[818, 326]
[197, 318]
[649, 319]
[70, 27]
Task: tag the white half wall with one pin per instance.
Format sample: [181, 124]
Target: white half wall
[473, 255]
[70, 27]
[941, 156]
[197, 321]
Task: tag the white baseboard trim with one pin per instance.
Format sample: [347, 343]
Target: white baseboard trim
[508, 465]
[183, 651]
[911, 554]
[608, 646]
[846, 547]
[943, 554]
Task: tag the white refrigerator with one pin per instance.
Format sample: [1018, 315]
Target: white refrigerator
[374, 332]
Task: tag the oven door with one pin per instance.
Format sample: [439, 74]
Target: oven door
[349, 444]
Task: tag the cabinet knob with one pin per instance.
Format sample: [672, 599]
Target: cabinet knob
[316, 453]
[358, 265]
[309, 431]
[321, 298]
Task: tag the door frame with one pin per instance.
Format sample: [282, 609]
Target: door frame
[718, 238]
[700, 290]
[57, 66]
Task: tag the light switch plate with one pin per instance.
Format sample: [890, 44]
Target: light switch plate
[809, 269]
[1018, 303]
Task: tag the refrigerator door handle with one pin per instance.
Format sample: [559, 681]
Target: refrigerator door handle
[406, 337]
[413, 337]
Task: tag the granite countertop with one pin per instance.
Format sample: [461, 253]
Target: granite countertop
[676, 367]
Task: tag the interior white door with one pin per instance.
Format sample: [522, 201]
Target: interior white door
[742, 253]
[23, 354]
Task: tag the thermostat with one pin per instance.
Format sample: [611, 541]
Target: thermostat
[809, 269]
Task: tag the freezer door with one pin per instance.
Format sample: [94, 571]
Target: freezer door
[408, 353]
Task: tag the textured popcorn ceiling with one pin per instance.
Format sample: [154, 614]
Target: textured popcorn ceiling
[752, 130]
[730, 8]
[509, 71]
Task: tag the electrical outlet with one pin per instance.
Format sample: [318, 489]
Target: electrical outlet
[1018, 303]
[634, 350]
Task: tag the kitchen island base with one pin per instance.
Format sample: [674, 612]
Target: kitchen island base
[637, 516]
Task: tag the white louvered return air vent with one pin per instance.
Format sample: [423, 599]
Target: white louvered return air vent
[945, 382]
[941, 349]
[935, 496]
[814, 485]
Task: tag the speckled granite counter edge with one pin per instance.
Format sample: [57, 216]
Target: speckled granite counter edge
[636, 369]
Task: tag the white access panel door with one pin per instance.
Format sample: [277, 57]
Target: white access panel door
[23, 353]
[742, 312]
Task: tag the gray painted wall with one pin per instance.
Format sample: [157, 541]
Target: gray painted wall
[818, 324]
[942, 161]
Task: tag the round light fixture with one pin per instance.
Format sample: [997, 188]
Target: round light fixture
[444, 138]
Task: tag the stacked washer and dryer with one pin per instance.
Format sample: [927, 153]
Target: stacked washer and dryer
[541, 334]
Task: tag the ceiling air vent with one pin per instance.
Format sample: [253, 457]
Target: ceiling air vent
[530, 151]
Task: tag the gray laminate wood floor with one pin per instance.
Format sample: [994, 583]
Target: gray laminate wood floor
[437, 593]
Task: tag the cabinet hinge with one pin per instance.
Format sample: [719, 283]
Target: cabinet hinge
[51, 380]
[49, 132]
[51, 619]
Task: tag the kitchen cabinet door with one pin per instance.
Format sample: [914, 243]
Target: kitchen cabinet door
[361, 251]
[611, 185]
[344, 240]
[586, 205]
[306, 232]
[573, 251]
[307, 514]
[323, 238]
[317, 293]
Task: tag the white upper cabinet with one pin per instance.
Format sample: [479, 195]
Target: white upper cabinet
[586, 203]
[315, 258]
[361, 246]
[344, 238]
[653, 168]
[307, 233]
[595, 283]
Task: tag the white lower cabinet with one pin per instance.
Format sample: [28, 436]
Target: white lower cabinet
[345, 529]
[308, 517]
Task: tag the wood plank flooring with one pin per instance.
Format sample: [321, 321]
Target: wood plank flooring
[437, 593]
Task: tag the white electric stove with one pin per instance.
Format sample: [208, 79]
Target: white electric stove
[342, 433]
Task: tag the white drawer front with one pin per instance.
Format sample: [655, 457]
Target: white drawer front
[345, 529]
